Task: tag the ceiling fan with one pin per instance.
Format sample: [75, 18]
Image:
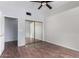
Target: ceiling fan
[44, 3]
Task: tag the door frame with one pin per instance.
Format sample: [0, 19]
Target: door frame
[34, 28]
[17, 25]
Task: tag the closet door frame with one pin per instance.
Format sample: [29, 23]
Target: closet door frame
[34, 28]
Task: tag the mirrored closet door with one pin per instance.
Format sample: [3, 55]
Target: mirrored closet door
[34, 32]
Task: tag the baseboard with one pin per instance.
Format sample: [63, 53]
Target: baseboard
[10, 41]
[55, 43]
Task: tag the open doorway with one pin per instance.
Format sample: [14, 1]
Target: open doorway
[11, 30]
[34, 32]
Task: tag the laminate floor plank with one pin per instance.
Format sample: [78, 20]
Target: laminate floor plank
[38, 50]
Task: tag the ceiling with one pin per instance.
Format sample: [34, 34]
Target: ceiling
[58, 6]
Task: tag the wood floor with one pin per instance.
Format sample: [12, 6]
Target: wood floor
[40, 50]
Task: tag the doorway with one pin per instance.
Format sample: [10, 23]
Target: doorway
[34, 32]
[11, 29]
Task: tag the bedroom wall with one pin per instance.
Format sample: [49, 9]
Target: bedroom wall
[17, 9]
[2, 45]
[63, 29]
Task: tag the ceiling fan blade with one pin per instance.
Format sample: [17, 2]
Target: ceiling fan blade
[40, 6]
[48, 6]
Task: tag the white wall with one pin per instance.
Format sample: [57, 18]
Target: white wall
[18, 9]
[1, 33]
[11, 28]
[63, 29]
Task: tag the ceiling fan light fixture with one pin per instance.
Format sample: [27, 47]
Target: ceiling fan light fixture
[43, 3]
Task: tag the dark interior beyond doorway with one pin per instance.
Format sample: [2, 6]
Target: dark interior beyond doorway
[11, 29]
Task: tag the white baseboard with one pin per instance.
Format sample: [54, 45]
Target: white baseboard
[63, 45]
[10, 40]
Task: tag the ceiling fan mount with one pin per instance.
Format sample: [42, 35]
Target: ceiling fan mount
[44, 3]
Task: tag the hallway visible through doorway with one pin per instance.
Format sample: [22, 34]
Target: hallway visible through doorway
[11, 29]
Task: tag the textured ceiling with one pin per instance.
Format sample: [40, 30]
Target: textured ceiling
[58, 6]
